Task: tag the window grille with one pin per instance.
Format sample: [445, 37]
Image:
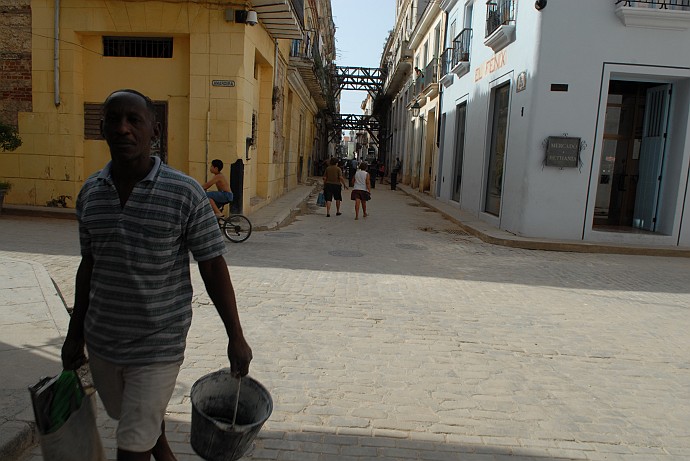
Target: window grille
[138, 47]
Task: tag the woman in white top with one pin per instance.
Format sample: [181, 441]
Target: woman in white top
[361, 191]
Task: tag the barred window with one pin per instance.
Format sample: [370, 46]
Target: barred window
[138, 47]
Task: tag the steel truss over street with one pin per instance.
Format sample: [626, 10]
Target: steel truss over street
[366, 79]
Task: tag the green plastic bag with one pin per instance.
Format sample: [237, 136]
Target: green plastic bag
[67, 397]
[66, 419]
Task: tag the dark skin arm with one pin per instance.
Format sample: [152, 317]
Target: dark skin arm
[73, 348]
[216, 277]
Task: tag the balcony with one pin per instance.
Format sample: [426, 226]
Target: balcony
[305, 57]
[654, 14]
[500, 24]
[281, 18]
[426, 84]
[456, 60]
[400, 65]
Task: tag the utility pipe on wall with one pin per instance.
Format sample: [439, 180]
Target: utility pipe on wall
[56, 54]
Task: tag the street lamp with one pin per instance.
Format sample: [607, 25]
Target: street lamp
[415, 109]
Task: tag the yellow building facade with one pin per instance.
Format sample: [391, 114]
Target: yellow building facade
[220, 85]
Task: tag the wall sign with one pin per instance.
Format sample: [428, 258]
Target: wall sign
[490, 66]
[521, 82]
[223, 83]
[562, 151]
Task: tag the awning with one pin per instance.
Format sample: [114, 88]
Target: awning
[281, 18]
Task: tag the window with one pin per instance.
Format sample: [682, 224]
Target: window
[138, 47]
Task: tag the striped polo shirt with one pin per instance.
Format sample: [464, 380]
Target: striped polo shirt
[140, 302]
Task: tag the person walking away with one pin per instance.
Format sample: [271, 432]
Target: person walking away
[352, 171]
[221, 196]
[139, 219]
[373, 170]
[333, 182]
[382, 170]
[362, 190]
[394, 173]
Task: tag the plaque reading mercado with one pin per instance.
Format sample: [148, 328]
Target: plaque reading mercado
[563, 152]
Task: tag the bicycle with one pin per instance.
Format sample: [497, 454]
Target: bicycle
[237, 228]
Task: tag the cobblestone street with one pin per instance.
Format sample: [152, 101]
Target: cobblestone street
[399, 337]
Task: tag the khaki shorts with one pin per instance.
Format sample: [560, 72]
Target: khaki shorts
[136, 396]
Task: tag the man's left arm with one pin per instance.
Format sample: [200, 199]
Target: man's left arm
[216, 278]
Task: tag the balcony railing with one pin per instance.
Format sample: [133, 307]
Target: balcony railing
[683, 5]
[447, 61]
[461, 46]
[499, 13]
[459, 53]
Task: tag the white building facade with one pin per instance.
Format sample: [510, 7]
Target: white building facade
[568, 119]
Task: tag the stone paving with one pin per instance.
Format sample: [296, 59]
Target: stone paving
[398, 337]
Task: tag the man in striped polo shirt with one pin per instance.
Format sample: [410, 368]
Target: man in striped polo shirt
[138, 221]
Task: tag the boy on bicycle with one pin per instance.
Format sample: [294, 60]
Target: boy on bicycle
[223, 195]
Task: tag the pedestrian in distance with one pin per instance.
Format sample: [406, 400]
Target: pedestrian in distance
[221, 196]
[333, 182]
[362, 190]
[139, 219]
[382, 170]
[373, 171]
[397, 166]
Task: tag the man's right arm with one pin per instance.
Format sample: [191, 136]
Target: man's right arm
[73, 348]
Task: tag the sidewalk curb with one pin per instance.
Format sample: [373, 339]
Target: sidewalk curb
[512, 241]
[16, 437]
[286, 215]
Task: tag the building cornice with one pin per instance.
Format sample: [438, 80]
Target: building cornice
[431, 13]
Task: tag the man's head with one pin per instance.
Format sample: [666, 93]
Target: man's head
[129, 125]
[217, 164]
[333, 161]
[363, 166]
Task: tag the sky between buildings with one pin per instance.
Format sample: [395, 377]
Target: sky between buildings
[361, 30]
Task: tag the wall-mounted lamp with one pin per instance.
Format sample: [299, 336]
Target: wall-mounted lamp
[415, 109]
[249, 143]
[242, 16]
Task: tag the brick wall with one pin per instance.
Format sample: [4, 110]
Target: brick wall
[15, 59]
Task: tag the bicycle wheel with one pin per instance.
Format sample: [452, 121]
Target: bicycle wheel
[237, 228]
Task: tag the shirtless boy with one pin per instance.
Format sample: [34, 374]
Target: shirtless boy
[223, 195]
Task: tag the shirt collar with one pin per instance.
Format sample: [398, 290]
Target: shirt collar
[105, 173]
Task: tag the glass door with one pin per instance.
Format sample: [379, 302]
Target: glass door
[499, 135]
[460, 114]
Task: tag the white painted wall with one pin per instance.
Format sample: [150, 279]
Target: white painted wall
[569, 43]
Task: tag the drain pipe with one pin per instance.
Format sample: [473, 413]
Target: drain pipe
[56, 54]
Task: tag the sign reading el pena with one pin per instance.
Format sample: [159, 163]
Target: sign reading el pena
[490, 66]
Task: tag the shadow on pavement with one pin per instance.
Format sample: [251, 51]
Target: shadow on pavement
[318, 446]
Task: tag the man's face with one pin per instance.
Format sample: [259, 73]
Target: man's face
[128, 127]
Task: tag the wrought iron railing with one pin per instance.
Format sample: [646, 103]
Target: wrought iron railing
[430, 73]
[499, 13]
[658, 4]
[460, 52]
[447, 61]
[461, 46]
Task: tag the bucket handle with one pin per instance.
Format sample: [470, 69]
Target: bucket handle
[237, 401]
